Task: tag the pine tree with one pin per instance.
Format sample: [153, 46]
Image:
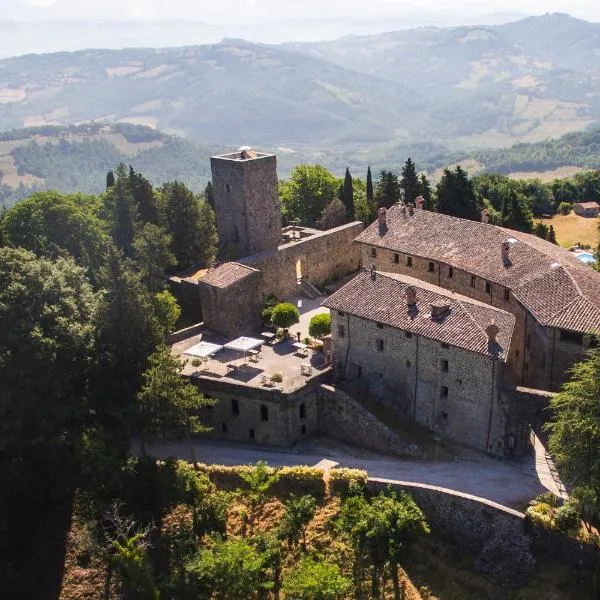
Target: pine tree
[455, 195]
[370, 194]
[517, 214]
[348, 197]
[124, 216]
[146, 202]
[409, 182]
[552, 235]
[425, 190]
[387, 192]
[110, 179]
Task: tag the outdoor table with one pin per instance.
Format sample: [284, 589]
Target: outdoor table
[305, 370]
[268, 335]
[301, 348]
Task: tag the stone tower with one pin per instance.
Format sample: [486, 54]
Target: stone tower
[246, 202]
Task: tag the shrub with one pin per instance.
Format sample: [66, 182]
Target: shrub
[196, 362]
[277, 378]
[341, 480]
[564, 208]
[568, 515]
[285, 315]
[320, 325]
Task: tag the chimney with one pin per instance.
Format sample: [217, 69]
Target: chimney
[485, 216]
[382, 217]
[438, 310]
[420, 202]
[411, 296]
[373, 272]
[505, 252]
[492, 332]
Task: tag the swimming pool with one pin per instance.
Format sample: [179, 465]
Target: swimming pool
[586, 257]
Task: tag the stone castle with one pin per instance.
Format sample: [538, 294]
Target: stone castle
[459, 326]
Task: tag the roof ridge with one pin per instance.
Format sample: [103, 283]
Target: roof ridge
[472, 318]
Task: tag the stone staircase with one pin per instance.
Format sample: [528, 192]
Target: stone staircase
[306, 288]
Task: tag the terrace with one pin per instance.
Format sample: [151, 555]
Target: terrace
[296, 366]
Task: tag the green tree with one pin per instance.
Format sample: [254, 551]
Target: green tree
[316, 580]
[574, 440]
[258, 481]
[424, 189]
[133, 569]
[456, 197]
[124, 212]
[370, 192]
[153, 256]
[209, 194]
[348, 196]
[307, 193]
[285, 315]
[147, 203]
[387, 192]
[334, 215]
[191, 222]
[552, 235]
[227, 570]
[299, 512]
[47, 311]
[516, 213]
[540, 230]
[50, 224]
[167, 404]
[110, 179]
[409, 181]
[363, 208]
[320, 325]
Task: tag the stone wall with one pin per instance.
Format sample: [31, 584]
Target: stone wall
[339, 415]
[537, 358]
[188, 297]
[261, 415]
[324, 256]
[235, 309]
[246, 203]
[408, 376]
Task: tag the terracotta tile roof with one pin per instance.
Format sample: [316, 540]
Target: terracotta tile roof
[226, 274]
[383, 299]
[547, 279]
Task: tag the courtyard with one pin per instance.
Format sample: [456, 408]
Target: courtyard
[255, 368]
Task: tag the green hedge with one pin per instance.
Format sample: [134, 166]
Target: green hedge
[341, 479]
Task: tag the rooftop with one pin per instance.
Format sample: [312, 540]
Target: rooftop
[243, 154]
[590, 204]
[557, 289]
[383, 298]
[226, 274]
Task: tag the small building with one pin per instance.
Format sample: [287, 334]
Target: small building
[430, 355]
[586, 209]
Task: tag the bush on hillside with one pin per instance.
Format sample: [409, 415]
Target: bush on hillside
[285, 315]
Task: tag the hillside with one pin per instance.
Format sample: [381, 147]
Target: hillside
[462, 87]
[494, 85]
[77, 158]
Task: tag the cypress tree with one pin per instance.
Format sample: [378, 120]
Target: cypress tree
[145, 201]
[409, 182]
[370, 194]
[424, 190]
[552, 235]
[124, 215]
[110, 179]
[348, 196]
[209, 194]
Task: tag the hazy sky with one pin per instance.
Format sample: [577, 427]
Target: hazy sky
[237, 11]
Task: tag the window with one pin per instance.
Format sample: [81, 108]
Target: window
[264, 413]
[473, 280]
[408, 334]
[450, 272]
[444, 391]
[409, 261]
[303, 430]
[341, 331]
[396, 258]
[432, 267]
[224, 427]
[488, 287]
[227, 188]
[373, 252]
[571, 336]
[235, 407]
[444, 366]
[408, 364]
[302, 411]
[445, 346]
[379, 345]
[379, 325]
[251, 434]
[506, 295]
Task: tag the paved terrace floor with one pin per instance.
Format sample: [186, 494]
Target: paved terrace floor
[279, 357]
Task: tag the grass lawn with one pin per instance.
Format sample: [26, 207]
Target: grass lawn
[572, 229]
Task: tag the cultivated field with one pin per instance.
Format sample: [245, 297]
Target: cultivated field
[572, 229]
